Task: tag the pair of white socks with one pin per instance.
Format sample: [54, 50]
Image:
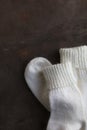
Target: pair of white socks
[61, 88]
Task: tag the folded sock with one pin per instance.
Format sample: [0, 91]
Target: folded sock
[78, 57]
[67, 108]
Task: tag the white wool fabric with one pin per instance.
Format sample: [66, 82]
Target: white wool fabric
[35, 80]
[78, 57]
[66, 103]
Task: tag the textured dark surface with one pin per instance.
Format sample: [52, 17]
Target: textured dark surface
[28, 29]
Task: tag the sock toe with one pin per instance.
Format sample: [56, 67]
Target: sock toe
[35, 79]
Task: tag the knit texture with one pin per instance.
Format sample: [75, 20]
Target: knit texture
[77, 55]
[67, 108]
[60, 75]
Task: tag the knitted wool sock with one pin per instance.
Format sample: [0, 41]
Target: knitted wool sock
[78, 57]
[35, 80]
[67, 109]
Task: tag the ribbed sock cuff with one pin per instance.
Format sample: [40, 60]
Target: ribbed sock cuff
[76, 55]
[59, 76]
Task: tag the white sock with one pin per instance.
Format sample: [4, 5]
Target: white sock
[67, 108]
[35, 80]
[78, 57]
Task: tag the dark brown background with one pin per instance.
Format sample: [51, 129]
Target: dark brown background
[28, 29]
